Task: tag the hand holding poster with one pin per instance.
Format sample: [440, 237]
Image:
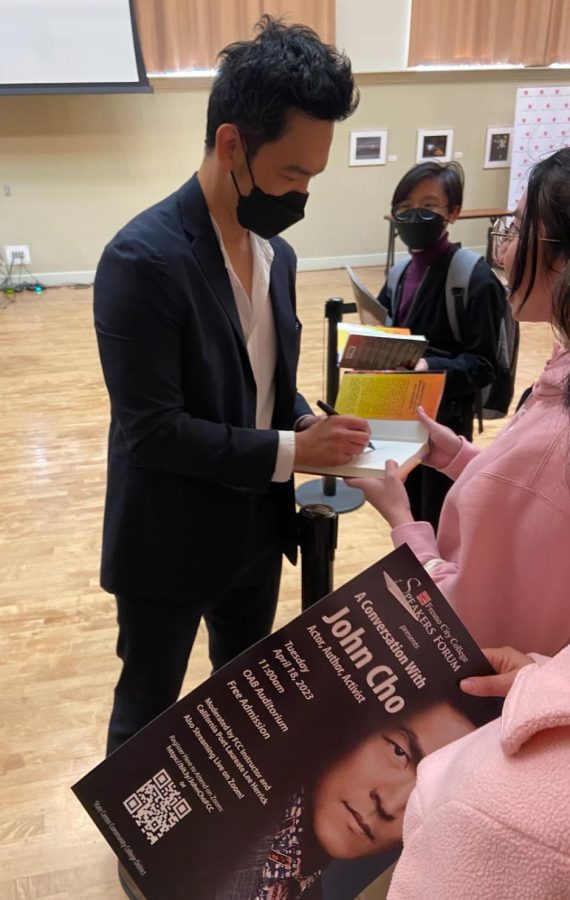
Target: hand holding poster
[301, 751]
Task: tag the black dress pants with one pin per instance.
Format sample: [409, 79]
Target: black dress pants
[156, 637]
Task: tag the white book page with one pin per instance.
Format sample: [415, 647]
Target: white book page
[372, 463]
[397, 430]
[400, 451]
[386, 335]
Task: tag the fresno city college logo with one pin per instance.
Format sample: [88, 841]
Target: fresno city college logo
[423, 598]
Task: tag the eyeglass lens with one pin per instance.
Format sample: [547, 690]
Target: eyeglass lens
[421, 214]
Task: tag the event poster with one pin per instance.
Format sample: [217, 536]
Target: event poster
[542, 126]
[299, 753]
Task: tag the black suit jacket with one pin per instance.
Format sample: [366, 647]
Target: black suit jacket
[186, 462]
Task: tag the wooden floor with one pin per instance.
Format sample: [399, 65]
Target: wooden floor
[58, 630]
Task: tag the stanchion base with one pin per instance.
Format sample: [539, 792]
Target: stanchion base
[346, 499]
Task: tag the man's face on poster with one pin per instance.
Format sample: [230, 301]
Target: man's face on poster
[359, 801]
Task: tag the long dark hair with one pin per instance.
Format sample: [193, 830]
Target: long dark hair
[547, 205]
[561, 317]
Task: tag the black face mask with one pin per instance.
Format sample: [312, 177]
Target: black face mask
[268, 214]
[419, 228]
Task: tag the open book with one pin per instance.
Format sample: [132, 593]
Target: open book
[344, 330]
[261, 779]
[370, 347]
[389, 401]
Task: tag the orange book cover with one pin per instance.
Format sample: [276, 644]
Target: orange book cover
[390, 395]
[389, 401]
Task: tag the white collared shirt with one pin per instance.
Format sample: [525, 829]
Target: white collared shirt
[258, 326]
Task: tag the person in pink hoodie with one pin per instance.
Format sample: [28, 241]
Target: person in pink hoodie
[490, 814]
[501, 555]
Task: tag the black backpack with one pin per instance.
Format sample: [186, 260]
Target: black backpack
[492, 401]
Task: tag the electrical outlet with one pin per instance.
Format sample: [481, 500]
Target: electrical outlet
[17, 254]
[7, 190]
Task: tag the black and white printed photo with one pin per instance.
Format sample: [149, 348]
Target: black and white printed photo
[368, 148]
[498, 148]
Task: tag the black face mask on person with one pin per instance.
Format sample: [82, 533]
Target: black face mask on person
[268, 214]
[419, 228]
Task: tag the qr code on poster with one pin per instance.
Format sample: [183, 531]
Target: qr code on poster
[157, 806]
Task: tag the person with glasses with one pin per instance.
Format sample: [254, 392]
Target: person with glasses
[504, 231]
[500, 555]
[426, 202]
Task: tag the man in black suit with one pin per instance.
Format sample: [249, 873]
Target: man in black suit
[199, 341]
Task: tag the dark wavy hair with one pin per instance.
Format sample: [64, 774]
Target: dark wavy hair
[547, 205]
[561, 304]
[285, 68]
[561, 316]
[450, 176]
[547, 215]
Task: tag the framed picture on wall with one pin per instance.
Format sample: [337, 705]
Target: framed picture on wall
[434, 143]
[368, 148]
[498, 148]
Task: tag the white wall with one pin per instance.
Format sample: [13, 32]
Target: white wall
[76, 168]
[374, 33]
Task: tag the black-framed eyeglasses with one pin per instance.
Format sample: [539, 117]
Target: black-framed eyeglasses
[422, 214]
[505, 230]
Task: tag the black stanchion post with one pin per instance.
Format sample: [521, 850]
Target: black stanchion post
[318, 528]
[333, 313]
[331, 490]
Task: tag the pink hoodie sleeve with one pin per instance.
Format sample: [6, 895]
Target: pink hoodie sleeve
[505, 548]
[420, 535]
[464, 455]
[421, 538]
[482, 824]
[462, 853]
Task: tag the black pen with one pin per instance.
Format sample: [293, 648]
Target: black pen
[331, 411]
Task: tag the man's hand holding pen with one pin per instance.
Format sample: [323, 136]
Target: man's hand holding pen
[332, 440]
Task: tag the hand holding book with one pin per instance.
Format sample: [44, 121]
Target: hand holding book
[507, 662]
[443, 444]
[387, 402]
[388, 495]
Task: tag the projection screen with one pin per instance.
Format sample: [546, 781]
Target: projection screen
[69, 46]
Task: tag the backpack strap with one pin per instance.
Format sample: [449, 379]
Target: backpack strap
[459, 274]
[394, 278]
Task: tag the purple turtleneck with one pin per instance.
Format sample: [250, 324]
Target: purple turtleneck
[421, 262]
